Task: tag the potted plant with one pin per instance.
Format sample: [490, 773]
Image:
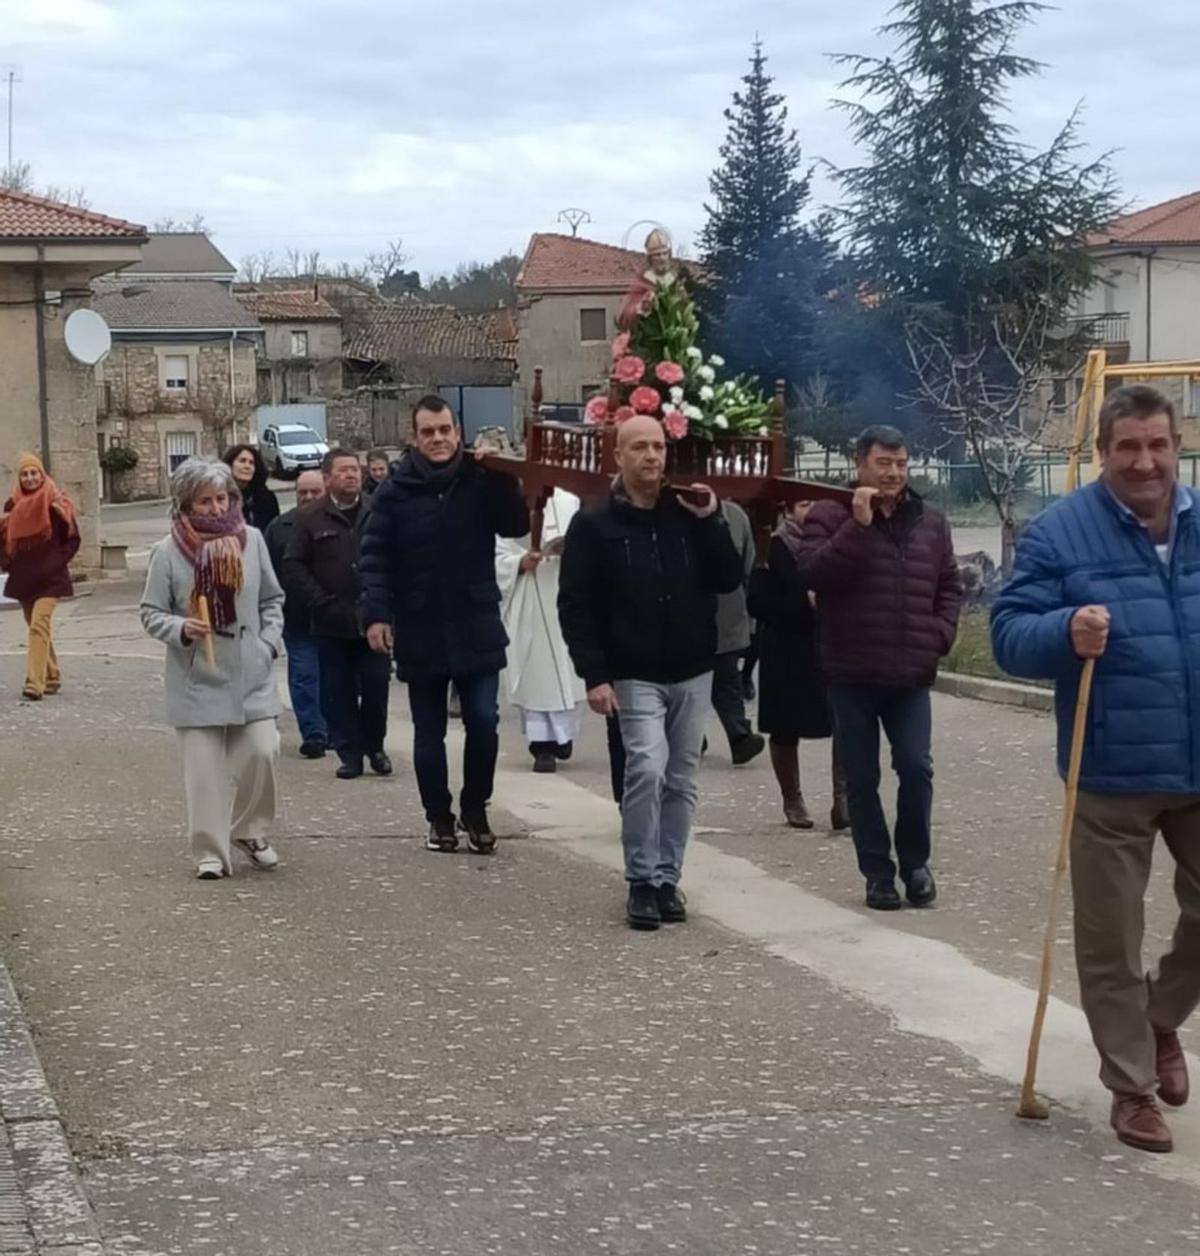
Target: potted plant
[118, 460]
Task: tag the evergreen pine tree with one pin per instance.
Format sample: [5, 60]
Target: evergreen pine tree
[763, 268]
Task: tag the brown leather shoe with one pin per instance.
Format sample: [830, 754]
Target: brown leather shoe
[1171, 1066]
[1140, 1124]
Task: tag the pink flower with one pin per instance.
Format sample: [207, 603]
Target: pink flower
[669, 373]
[676, 426]
[620, 346]
[596, 410]
[645, 400]
[629, 370]
[623, 414]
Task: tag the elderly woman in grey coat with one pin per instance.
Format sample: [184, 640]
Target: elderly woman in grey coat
[212, 598]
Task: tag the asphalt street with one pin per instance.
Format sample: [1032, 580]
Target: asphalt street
[378, 1049]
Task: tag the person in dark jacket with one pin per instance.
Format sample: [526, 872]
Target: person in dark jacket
[259, 503]
[794, 703]
[303, 658]
[39, 535]
[430, 598]
[321, 569]
[1112, 573]
[378, 469]
[637, 603]
[888, 595]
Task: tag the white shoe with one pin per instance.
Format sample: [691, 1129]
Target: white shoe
[210, 869]
[259, 851]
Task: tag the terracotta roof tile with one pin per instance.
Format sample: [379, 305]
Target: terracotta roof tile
[562, 262]
[1173, 222]
[397, 331]
[289, 307]
[33, 218]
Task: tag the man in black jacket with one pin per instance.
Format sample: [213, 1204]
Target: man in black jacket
[321, 568]
[637, 603]
[430, 597]
[303, 660]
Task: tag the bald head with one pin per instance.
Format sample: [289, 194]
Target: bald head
[642, 458]
[309, 486]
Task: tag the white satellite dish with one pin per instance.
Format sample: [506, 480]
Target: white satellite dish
[88, 337]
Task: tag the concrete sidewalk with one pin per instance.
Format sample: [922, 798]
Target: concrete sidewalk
[377, 1049]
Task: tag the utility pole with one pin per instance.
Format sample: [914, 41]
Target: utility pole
[11, 76]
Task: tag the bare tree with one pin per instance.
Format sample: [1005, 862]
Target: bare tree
[381, 264]
[195, 223]
[256, 267]
[19, 178]
[989, 395]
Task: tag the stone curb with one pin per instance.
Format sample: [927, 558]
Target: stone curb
[1004, 692]
[55, 1207]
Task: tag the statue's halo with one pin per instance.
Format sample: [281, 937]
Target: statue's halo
[653, 225]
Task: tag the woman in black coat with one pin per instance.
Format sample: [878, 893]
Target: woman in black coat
[792, 702]
[259, 504]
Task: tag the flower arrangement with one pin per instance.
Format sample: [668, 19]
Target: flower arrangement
[661, 371]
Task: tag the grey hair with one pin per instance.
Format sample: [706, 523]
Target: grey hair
[195, 474]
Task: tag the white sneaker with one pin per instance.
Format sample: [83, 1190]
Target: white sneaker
[210, 869]
[259, 851]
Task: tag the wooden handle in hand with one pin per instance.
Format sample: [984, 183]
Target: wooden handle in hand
[209, 655]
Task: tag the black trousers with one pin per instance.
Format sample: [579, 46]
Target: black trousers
[858, 712]
[729, 698]
[356, 681]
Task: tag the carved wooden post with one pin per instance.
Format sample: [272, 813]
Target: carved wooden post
[778, 409]
[535, 404]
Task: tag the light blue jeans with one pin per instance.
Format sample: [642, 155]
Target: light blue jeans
[662, 727]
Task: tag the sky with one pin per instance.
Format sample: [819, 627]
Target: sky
[462, 126]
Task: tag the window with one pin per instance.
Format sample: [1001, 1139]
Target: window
[175, 372]
[299, 344]
[593, 324]
[180, 447]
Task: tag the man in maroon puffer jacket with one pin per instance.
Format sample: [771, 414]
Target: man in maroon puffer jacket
[888, 594]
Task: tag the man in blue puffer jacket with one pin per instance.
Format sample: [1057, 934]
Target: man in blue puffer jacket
[1112, 572]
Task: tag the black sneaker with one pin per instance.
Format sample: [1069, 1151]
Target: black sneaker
[747, 748]
[671, 904]
[381, 765]
[350, 770]
[480, 837]
[442, 835]
[641, 910]
[313, 748]
[920, 887]
[882, 896]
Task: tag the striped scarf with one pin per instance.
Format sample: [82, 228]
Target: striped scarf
[213, 544]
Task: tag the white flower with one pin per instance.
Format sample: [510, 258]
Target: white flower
[677, 394]
[762, 431]
[693, 412]
[707, 393]
[716, 360]
[721, 421]
[695, 354]
[706, 373]
[668, 408]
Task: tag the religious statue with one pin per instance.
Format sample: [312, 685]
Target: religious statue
[660, 272]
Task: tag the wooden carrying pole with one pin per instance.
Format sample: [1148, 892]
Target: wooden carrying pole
[1030, 1107]
[209, 654]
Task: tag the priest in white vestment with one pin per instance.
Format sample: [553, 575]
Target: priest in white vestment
[541, 680]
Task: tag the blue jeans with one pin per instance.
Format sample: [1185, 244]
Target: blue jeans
[858, 711]
[662, 728]
[479, 695]
[304, 685]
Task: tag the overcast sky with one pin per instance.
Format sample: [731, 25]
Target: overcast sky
[462, 126]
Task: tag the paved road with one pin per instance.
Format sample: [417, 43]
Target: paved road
[377, 1049]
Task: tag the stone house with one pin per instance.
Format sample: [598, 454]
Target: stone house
[49, 255]
[301, 353]
[181, 378]
[569, 293]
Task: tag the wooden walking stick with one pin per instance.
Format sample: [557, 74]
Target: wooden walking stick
[1031, 1108]
[202, 610]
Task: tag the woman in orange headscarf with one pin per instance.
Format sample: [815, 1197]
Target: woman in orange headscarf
[39, 535]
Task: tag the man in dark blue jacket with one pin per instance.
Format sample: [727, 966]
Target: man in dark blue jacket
[1112, 572]
[431, 599]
